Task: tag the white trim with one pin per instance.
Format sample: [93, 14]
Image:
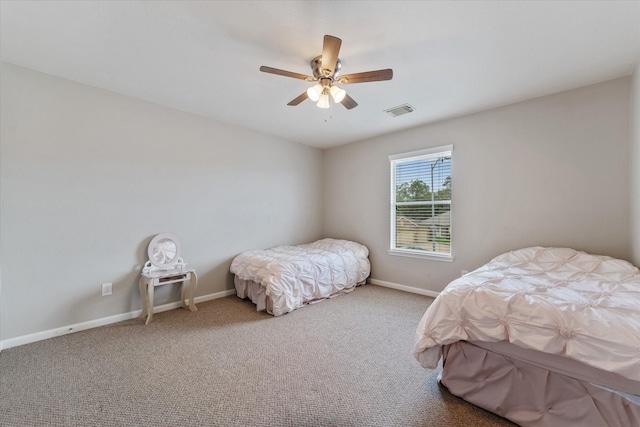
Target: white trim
[65, 330]
[419, 254]
[404, 288]
[425, 152]
[213, 296]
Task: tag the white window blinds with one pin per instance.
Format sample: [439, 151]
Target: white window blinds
[421, 203]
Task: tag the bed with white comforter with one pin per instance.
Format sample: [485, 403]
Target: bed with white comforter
[550, 302]
[282, 279]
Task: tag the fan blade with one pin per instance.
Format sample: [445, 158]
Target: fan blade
[330, 50]
[349, 102]
[367, 76]
[279, 72]
[299, 99]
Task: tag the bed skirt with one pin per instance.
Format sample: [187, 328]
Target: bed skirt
[258, 295]
[255, 292]
[531, 395]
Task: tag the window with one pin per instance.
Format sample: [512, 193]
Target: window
[421, 203]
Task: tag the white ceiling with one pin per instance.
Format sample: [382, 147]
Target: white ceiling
[448, 58]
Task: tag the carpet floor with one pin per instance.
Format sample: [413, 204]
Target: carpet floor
[345, 361]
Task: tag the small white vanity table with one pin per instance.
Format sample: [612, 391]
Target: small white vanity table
[165, 266]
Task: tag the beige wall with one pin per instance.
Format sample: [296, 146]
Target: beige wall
[635, 167]
[89, 176]
[552, 171]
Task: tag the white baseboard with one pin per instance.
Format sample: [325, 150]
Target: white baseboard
[51, 333]
[64, 330]
[404, 288]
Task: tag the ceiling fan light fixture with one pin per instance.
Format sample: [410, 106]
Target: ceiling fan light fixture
[337, 94]
[314, 92]
[326, 69]
[323, 101]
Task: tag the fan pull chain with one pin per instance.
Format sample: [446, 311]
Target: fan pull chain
[331, 102]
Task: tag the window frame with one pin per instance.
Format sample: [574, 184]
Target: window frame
[428, 153]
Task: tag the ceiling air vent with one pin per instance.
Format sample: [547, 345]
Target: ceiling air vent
[399, 110]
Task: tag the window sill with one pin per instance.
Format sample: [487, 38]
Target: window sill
[416, 254]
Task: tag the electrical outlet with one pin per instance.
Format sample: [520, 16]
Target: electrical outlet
[106, 289]
[463, 272]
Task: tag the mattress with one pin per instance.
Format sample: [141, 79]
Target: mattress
[282, 279]
[554, 300]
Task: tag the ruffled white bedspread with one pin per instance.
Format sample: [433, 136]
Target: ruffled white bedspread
[556, 300]
[295, 275]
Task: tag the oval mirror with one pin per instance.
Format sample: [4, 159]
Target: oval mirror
[164, 250]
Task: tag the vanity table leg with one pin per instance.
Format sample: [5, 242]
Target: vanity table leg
[150, 287]
[142, 285]
[193, 284]
[183, 290]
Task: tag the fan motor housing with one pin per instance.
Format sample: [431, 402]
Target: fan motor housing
[316, 67]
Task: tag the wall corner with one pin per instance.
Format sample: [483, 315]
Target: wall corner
[634, 168]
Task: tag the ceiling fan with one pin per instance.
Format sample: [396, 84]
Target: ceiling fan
[326, 73]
